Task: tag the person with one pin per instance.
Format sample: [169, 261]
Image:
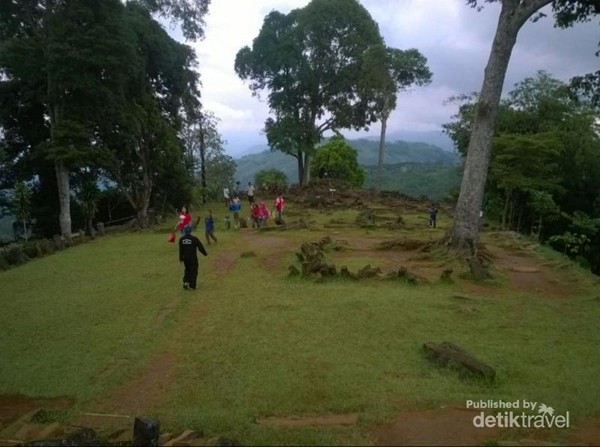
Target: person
[209, 228]
[255, 215]
[250, 192]
[279, 205]
[264, 214]
[188, 244]
[226, 196]
[235, 208]
[433, 211]
[185, 218]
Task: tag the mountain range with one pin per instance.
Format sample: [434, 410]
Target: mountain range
[409, 167]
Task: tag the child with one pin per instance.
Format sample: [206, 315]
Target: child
[188, 244]
[279, 204]
[264, 214]
[235, 208]
[209, 227]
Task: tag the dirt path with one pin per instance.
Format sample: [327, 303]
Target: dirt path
[525, 273]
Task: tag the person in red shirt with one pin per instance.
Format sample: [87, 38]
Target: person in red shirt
[255, 215]
[264, 214]
[185, 218]
[279, 204]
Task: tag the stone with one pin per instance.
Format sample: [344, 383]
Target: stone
[146, 431]
[447, 275]
[248, 254]
[449, 354]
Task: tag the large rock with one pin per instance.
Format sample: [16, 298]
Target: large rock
[449, 354]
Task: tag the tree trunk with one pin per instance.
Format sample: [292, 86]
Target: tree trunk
[64, 199]
[381, 146]
[203, 166]
[464, 233]
[306, 176]
[511, 214]
[505, 212]
[539, 230]
[519, 217]
[300, 160]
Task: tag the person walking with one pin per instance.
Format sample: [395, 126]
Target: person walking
[433, 211]
[209, 228]
[250, 193]
[279, 205]
[188, 245]
[226, 196]
[235, 208]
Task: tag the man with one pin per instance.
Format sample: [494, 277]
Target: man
[188, 244]
[250, 193]
[226, 196]
[209, 227]
[433, 211]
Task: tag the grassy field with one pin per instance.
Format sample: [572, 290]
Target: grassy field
[253, 343]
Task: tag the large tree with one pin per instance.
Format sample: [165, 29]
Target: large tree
[66, 84]
[513, 15]
[404, 69]
[312, 62]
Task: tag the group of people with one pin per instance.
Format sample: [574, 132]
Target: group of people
[190, 245]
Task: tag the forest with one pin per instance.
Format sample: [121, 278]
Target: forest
[101, 115]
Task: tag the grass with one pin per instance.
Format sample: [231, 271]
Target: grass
[252, 343]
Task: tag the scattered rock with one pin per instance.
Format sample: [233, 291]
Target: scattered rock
[368, 272]
[449, 354]
[447, 275]
[248, 254]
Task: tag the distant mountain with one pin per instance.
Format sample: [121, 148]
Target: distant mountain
[240, 143]
[397, 152]
[433, 180]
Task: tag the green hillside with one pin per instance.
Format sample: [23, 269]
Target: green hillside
[433, 180]
[414, 168]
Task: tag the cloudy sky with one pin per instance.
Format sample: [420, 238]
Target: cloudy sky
[455, 38]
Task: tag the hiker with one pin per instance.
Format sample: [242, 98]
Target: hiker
[188, 244]
[226, 196]
[235, 208]
[255, 215]
[265, 213]
[185, 218]
[209, 228]
[433, 211]
[279, 205]
[250, 193]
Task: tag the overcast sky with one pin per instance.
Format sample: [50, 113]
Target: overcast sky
[454, 38]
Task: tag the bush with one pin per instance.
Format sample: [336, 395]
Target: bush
[14, 255]
[32, 249]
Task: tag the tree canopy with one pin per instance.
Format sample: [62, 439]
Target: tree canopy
[313, 65]
[337, 160]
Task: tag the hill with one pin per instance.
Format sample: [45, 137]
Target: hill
[397, 152]
[432, 180]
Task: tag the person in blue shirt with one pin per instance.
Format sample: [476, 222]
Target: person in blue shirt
[235, 208]
[209, 228]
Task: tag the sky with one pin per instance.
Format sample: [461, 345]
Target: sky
[455, 39]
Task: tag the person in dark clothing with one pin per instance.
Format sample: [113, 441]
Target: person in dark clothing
[188, 244]
[209, 227]
[433, 211]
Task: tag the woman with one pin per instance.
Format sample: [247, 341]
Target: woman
[185, 218]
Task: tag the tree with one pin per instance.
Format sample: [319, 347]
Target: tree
[337, 160]
[22, 206]
[200, 135]
[271, 179]
[513, 15]
[66, 71]
[312, 62]
[404, 68]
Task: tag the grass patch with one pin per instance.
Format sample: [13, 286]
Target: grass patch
[250, 343]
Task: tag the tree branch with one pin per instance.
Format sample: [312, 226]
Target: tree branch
[527, 8]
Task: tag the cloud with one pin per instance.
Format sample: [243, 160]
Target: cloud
[455, 39]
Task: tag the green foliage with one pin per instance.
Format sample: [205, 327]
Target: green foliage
[435, 181]
[545, 164]
[271, 178]
[312, 64]
[337, 160]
